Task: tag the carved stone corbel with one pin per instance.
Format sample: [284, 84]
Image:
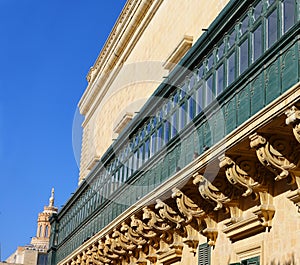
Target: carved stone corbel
[169, 214]
[244, 173]
[133, 236]
[214, 193]
[111, 249]
[211, 230]
[266, 210]
[293, 118]
[154, 221]
[161, 227]
[121, 243]
[101, 252]
[187, 207]
[277, 155]
[191, 211]
[137, 240]
[149, 234]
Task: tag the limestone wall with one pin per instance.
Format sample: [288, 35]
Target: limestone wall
[142, 69]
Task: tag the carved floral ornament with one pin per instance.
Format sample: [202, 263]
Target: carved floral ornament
[158, 232]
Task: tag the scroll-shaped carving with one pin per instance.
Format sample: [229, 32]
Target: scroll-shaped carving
[186, 206]
[103, 250]
[169, 214]
[218, 194]
[111, 249]
[121, 243]
[95, 256]
[276, 155]
[132, 235]
[154, 221]
[141, 228]
[293, 118]
[148, 233]
[244, 173]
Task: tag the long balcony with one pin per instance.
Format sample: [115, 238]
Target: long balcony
[247, 58]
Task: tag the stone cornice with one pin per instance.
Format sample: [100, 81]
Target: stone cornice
[173, 224]
[128, 28]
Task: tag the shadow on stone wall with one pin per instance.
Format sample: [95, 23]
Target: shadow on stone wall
[289, 261]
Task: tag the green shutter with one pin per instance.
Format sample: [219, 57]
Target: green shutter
[251, 261]
[204, 254]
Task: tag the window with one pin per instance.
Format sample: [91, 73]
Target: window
[190, 103]
[199, 99]
[40, 231]
[231, 68]
[182, 116]
[257, 43]
[289, 14]
[220, 79]
[272, 28]
[250, 261]
[244, 25]
[166, 132]
[174, 124]
[204, 254]
[244, 58]
[46, 231]
[209, 90]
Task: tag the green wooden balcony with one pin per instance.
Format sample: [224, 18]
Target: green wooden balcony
[247, 58]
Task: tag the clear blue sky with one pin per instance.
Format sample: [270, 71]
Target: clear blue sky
[46, 50]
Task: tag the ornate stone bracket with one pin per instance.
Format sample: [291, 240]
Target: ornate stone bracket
[186, 206]
[211, 230]
[244, 173]
[191, 211]
[214, 193]
[273, 155]
[154, 221]
[169, 214]
[266, 210]
[293, 118]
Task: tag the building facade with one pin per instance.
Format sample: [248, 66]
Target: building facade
[191, 146]
[36, 252]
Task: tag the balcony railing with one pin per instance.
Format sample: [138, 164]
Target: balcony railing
[248, 57]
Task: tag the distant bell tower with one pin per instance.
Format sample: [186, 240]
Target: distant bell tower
[41, 241]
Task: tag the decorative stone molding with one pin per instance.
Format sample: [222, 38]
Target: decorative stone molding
[293, 118]
[245, 174]
[187, 207]
[266, 210]
[211, 230]
[169, 214]
[244, 228]
[181, 49]
[276, 154]
[217, 194]
[294, 196]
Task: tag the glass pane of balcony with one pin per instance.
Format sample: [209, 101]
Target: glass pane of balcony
[244, 55]
[289, 14]
[272, 28]
[257, 43]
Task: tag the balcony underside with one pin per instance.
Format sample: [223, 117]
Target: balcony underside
[233, 183]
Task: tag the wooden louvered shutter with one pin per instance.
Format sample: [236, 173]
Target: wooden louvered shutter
[204, 254]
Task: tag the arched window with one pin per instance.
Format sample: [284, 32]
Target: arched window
[47, 231]
[40, 231]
